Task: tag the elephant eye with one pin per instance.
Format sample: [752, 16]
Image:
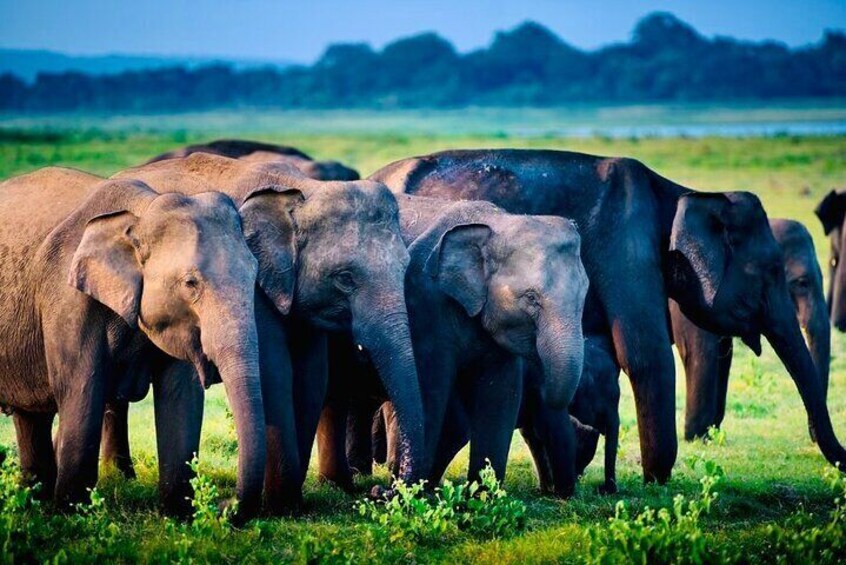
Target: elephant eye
[532, 299]
[344, 281]
[802, 283]
[192, 287]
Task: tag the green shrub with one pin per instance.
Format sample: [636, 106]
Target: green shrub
[482, 509]
[802, 539]
[666, 535]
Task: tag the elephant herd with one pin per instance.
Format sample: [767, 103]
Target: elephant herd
[446, 299]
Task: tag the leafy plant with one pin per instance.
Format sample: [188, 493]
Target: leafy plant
[666, 535]
[802, 539]
[483, 509]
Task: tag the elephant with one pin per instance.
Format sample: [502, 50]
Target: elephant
[108, 284]
[259, 152]
[832, 214]
[331, 258]
[487, 292]
[707, 357]
[645, 239]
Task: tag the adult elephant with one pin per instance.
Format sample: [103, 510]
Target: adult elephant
[707, 356]
[832, 213]
[257, 151]
[331, 258]
[108, 284]
[645, 239]
[487, 292]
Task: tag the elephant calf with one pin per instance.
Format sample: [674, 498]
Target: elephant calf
[707, 356]
[832, 213]
[486, 292]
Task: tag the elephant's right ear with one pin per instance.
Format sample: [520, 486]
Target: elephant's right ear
[270, 231]
[831, 211]
[458, 263]
[105, 265]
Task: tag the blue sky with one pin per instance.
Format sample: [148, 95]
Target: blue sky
[300, 30]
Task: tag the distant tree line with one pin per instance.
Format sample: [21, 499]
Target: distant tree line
[666, 60]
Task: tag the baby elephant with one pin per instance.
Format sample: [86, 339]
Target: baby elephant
[256, 151]
[486, 292]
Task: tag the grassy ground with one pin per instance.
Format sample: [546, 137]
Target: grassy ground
[771, 466]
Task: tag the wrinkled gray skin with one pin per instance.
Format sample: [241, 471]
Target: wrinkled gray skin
[330, 259]
[594, 411]
[262, 152]
[105, 277]
[645, 239]
[486, 291]
[707, 357]
[832, 214]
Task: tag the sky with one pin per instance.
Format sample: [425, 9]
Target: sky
[300, 30]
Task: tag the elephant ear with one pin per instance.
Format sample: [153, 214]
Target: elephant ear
[699, 248]
[458, 263]
[831, 211]
[106, 266]
[270, 230]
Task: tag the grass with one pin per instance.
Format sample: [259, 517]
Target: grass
[771, 467]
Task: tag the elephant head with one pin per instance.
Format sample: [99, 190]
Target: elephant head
[334, 256]
[522, 276]
[805, 284]
[178, 268]
[832, 213]
[726, 272]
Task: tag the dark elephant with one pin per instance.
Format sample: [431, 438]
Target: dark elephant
[645, 239]
[707, 357]
[331, 258]
[259, 152]
[108, 284]
[832, 213]
[487, 292]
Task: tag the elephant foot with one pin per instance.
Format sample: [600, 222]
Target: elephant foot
[608, 487]
[288, 505]
[346, 484]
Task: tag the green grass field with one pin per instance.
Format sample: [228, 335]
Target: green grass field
[772, 469]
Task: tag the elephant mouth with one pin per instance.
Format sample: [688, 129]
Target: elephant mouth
[206, 370]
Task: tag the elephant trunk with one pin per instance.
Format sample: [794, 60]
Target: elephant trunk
[381, 327]
[231, 344]
[818, 338]
[561, 349]
[782, 331]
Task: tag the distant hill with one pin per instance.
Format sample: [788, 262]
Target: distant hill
[665, 60]
[27, 63]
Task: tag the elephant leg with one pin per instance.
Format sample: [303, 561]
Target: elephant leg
[331, 445]
[455, 434]
[612, 435]
[115, 443]
[392, 437]
[379, 437]
[642, 345]
[309, 357]
[726, 351]
[283, 473]
[178, 405]
[35, 445]
[496, 405]
[555, 432]
[539, 457]
[359, 442]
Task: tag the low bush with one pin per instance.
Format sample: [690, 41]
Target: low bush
[482, 509]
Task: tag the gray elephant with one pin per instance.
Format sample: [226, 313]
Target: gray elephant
[832, 213]
[331, 258]
[707, 357]
[108, 284]
[487, 293]
[259, 152]
[645, 239]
